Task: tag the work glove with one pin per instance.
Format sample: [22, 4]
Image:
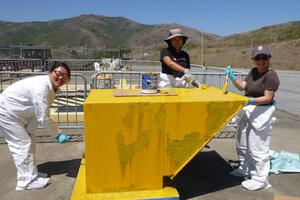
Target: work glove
[188, 77]
[230, 73]
[250, 101]
[62, 138]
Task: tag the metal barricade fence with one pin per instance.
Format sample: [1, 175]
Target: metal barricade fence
[88, 64]
[121, 79]
[149, 63]
[67, 109]
[20, 64]
[75, 64]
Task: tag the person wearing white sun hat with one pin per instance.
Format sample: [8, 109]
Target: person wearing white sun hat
[174, 61]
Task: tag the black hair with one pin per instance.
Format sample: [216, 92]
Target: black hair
[61, 64]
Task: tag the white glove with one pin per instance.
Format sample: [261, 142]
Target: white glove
[188, 77]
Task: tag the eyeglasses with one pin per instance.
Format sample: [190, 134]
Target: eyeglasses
[60, 74]
[261, 57]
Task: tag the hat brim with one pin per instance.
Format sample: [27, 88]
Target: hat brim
[263, 53]
[176, 35]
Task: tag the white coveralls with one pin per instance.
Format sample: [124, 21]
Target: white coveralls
[168, 81]
[23, 105]
[253, 140]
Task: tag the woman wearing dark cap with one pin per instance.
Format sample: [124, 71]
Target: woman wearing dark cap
[174, 61]
[256, 119]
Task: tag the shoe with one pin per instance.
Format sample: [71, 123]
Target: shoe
[238, 173]
[37, 183]
[252, 184]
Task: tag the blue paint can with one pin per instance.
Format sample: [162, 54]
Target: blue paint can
[149, 83]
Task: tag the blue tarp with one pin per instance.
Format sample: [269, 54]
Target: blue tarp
[284, 162]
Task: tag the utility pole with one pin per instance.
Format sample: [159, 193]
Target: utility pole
[153, 49]
[86, 50]
[202, 48]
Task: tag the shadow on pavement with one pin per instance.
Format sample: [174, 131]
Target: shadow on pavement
[68, 167]
[207, 172]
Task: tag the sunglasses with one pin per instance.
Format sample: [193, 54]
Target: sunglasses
[261, 57]
[60, 74]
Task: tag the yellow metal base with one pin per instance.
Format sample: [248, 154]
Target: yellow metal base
[79, 191]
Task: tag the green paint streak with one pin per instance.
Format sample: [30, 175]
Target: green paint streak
[180, 150]
[160, 118]
[128, 119]
[218, 114]
[127, 151]
[178, 107]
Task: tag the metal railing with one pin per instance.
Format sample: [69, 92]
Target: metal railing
[67, 109]
[129, 80]
[140, 63]
[20, 64]
[74, 64]
[88, 64]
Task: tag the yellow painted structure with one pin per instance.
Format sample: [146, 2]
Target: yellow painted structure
[131, 143]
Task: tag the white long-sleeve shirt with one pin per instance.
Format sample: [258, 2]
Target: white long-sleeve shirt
[30, 99]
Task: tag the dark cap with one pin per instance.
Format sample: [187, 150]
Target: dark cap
[261, 50]
[175, 33]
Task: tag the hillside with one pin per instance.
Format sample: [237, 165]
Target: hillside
[91, 30]
[235, 50]
[100, 32]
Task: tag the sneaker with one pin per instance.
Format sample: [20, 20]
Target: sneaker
[37, 183]
[238, 173]
[252, 184]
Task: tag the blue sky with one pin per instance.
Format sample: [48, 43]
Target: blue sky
[222, 17]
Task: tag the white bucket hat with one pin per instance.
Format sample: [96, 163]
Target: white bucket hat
[175, 33]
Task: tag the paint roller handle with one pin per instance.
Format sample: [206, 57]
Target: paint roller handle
[225, 85]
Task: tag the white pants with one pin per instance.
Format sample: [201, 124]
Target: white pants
[253, 140]
[168, 81]
[21, 142]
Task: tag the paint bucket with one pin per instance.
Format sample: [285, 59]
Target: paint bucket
[149, 83]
